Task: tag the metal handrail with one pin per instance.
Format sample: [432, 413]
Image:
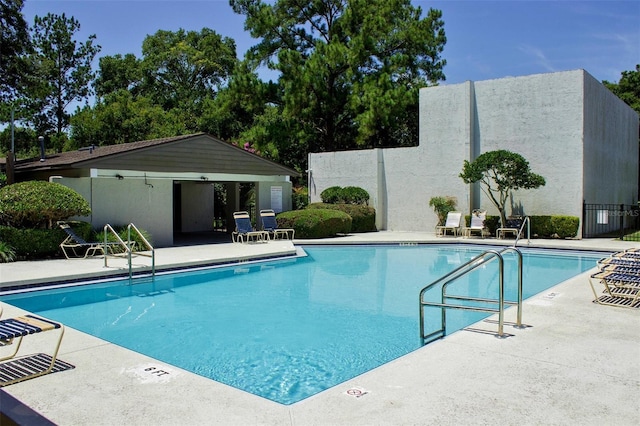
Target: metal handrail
[465, 269]
[526, 221]
[107, 228]
[128, 247]
[148, 246]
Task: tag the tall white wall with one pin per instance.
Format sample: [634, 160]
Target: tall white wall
[610, 161]
[540, 118]
[567, 125]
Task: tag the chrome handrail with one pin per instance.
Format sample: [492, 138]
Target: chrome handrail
[128, 247]
[148, 245]
[527, 222]
[462, 270]
[107, 228]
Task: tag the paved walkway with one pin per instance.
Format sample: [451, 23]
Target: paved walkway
[576, 363]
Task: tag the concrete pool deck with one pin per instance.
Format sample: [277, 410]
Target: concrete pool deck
[576, 363]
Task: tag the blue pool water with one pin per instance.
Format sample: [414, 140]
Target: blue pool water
[288, 329]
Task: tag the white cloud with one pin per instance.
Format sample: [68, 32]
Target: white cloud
[538, 55]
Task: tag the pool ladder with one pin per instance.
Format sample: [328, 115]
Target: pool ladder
[464, 269]
[526, 221]
[129, 247]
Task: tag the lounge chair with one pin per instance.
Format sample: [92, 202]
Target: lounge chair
[512, 226]
[77, 245]
[270, 225]
[630, 254]
[452, 224]
[618, 261]
[244, 230]
[477, 224]
[620, 288]
[18, 328]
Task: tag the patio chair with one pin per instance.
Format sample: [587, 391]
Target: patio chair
[513, 225]
[620, 288]
[244, 230]
[629, 254]
[270, 225]
[12, 331]
[452, 223]
[77, 245]
[618, 261]
[477, 224]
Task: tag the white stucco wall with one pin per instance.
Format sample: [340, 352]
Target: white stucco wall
[558, 122]
[610, 174]
[540, 118]
[148, 204]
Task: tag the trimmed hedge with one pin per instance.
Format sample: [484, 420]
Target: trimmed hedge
[346, 195]
[315, 223]
[30, 244]
[565, 226]
[363, 217]
[541, 226]
[39, 204]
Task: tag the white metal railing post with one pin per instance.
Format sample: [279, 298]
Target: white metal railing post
[146, 243]
[107, 228]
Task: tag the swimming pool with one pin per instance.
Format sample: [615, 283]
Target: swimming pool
[287, 329]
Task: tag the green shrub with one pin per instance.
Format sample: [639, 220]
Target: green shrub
[7, 253]
[565, 226]
[355, 195]
[541, 226]
[492, 223]
[331, 195]
[315, 223]
[39, 204]
[442, 206]
[363, 217]
[346, 195]
[300, 197]
[33, 243]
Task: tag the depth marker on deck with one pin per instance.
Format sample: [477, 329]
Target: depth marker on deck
[356, 392]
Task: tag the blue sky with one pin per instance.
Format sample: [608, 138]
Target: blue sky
[486, 39]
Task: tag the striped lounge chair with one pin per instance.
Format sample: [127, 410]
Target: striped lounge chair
[12, 331]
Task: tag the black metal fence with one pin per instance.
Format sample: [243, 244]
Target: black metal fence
[611, 220]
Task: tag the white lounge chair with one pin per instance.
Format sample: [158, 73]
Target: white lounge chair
[452, 224]
[477, 224]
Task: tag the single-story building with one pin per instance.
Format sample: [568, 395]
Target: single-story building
[165, 186]
[573, 131]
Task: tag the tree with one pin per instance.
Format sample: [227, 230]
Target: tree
[349, 69]
[63, 70]
[628, 88]
[500, 172]
[237, 105]
[14, 45]
[183, 69]
[39, 204]
[169, 91]
[118, 72]
[119, 118]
